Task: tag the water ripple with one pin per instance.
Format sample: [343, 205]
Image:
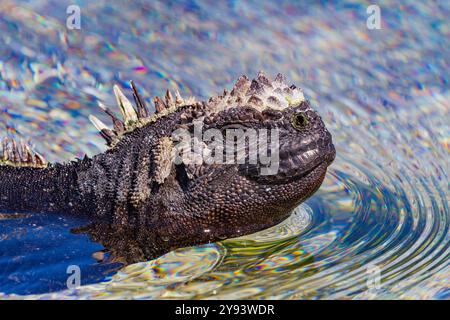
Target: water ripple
[383, 208]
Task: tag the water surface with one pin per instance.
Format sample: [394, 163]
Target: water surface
[384, 95]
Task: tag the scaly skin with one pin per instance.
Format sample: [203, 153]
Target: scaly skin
[142, 204]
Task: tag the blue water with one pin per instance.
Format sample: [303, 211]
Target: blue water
[36, 252]
[384, 95]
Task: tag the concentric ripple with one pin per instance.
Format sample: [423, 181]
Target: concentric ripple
[379, 225]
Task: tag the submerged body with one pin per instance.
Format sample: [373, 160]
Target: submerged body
[143, 202]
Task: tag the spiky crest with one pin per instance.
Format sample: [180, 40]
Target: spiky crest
[20, 155]
[260, 93]
[138, 116]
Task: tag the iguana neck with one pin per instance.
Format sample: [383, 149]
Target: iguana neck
[50, 189]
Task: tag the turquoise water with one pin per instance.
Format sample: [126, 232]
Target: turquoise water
[384, 95]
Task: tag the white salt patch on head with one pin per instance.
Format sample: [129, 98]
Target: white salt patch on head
[260, 93]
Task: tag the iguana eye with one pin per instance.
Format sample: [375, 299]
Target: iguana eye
[299, 120]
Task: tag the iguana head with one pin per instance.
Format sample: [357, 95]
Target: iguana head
[272, 122]
[232, 165]
[280, 151]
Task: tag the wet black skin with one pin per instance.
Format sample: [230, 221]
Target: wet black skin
[138, 219]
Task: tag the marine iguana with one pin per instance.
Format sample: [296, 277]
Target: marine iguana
[143, 204]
